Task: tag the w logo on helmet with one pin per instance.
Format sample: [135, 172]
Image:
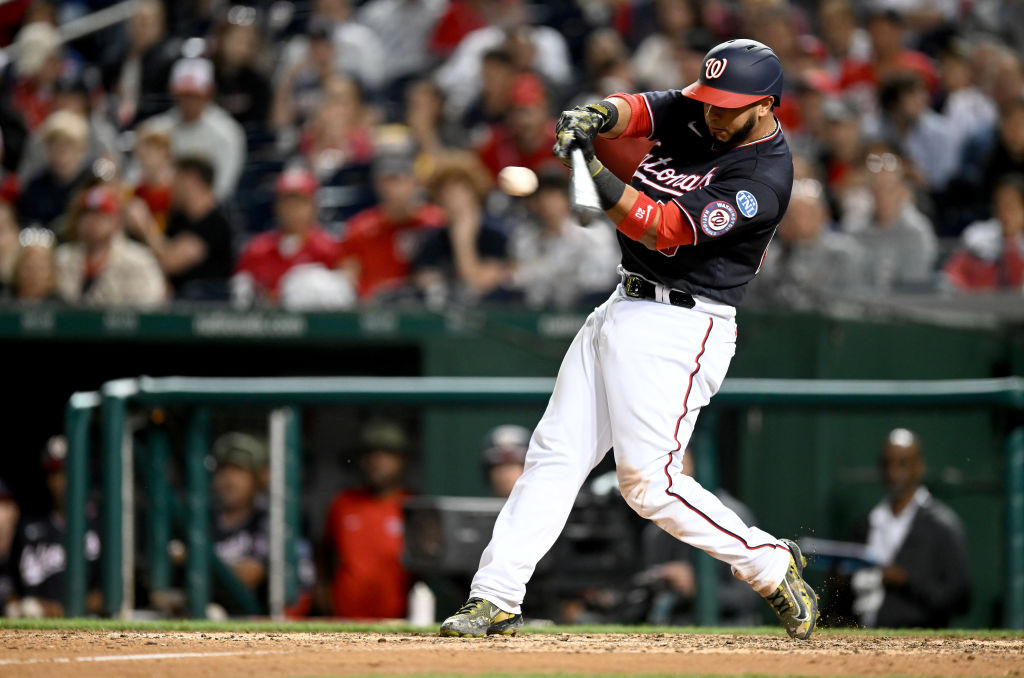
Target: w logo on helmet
[714, 67]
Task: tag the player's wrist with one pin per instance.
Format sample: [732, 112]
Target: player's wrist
[609, 187]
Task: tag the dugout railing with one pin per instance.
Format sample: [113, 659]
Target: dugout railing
[285, 395]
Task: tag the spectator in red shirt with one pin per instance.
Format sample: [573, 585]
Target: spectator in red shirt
[297, 240]
[381, 242]
[526, 135]
[889, 56]
[992, 254]
[363, 538]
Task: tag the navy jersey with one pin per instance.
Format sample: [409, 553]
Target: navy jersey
[41, 560]
[732, 198]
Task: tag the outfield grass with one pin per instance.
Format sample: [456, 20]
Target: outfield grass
[267, 626]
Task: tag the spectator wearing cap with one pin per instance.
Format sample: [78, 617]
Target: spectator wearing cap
[48, 193]
[296, 241]
[35, 270]
[469, 259]
[525, 137]
[36, 68]
[9, 514]
[74, 94]
[558, 263]
[381, 242]
[991, 254]
[195, 252]
[39, 548]
[137, 68]
[201, 127]
[101, 267]
[504, 457]
[240, 530]
[363, 536]
[808, 262]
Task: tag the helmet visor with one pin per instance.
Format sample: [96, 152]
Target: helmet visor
[720, 97]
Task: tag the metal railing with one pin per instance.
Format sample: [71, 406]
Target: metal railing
[116, 397]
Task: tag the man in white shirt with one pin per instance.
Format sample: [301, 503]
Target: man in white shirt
[921, 577]
[202, 128]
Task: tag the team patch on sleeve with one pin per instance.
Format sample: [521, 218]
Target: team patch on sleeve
[717, 218]
[747, 203]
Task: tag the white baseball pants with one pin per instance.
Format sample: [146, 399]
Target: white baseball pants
[634, 378]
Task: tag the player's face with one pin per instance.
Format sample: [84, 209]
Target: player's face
[383, 469]
[235, 486]
[731, 125]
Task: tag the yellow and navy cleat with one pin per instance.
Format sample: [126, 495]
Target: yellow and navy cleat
[794, 601]
[479, 618]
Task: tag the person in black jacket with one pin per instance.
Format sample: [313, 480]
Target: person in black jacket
[921, 579]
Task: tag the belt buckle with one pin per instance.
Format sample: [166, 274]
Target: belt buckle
[632, 286]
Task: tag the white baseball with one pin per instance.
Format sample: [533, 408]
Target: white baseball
[517, 181]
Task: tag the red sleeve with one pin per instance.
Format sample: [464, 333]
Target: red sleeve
[961, 270]
[674, 227]
[641, 122]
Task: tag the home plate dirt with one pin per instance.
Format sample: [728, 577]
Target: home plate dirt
[87, 654]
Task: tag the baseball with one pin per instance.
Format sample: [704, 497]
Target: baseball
[517, 181]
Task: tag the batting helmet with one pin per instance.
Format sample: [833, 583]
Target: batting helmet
[736, 73]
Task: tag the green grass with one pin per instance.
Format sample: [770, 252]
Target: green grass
[267, 626]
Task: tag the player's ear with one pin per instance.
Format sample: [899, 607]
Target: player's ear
[764, 107]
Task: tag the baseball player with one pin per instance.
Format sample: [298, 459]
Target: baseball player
[693, 226]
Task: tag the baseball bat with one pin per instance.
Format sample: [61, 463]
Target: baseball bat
[582, 192]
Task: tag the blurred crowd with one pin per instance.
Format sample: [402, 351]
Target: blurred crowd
[320, 154]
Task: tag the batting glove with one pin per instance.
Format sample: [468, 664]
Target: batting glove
[578, 127]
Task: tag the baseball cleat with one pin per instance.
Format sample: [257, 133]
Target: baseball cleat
[794, 601]
[479, 618]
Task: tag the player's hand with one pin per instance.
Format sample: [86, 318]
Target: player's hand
[577, 128]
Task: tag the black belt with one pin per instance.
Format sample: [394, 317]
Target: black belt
[637, 287]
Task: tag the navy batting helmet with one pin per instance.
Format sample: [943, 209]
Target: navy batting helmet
[736, 73]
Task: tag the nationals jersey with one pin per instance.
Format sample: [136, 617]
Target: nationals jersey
[732, 198]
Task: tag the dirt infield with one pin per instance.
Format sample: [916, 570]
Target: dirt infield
[88, 654]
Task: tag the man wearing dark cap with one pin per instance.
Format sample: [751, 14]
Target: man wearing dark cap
[363, 538]
[921, 579]
[240, 532]
[39, 548]
[504, 456]
[381, 242]
[297, 240]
